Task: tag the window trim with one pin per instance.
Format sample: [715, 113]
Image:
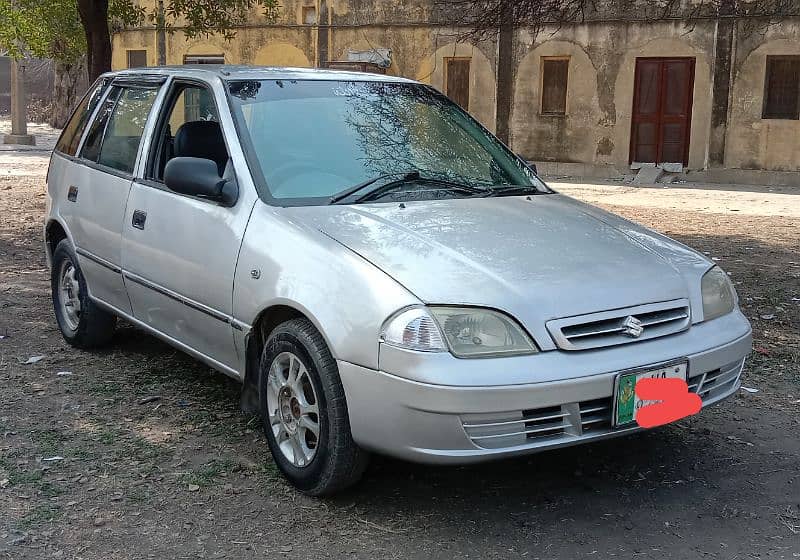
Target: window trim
[542, 61]
[765, 115]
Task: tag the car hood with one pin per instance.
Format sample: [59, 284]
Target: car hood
[538, 258]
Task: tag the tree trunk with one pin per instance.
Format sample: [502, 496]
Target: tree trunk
[94, 18]
[69, 85]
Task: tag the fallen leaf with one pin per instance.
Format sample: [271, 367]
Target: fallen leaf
[751, 390]
[34, 360]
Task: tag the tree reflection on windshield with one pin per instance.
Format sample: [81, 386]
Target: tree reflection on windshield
[314, 138]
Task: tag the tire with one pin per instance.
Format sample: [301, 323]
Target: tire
[321, 463]
[82, 323]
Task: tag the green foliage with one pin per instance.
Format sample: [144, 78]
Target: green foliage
[197, 17]
[43, 28]
[52, 28]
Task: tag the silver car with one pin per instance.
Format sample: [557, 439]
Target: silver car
[379, 271]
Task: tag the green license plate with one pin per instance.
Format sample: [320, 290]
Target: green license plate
[626, 403]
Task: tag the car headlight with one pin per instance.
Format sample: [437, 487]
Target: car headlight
[719, 297]
[413, 329]
[466, 332]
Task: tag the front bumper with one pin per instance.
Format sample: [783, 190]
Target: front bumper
[445, 424]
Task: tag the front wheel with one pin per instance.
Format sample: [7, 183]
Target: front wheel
[304, 412]
[82, 323]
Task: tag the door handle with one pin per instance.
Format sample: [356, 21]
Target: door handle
[139, 218]
[72, 193]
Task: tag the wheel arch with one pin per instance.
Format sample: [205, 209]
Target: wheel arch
[54, 233]
[266, 322]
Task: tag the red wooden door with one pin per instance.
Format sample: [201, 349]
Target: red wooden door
[662, 110]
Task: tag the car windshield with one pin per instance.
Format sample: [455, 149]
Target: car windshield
[311, 140]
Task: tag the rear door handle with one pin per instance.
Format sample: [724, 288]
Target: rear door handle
[72, 193]
[139, 218]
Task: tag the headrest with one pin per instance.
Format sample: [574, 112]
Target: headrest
[202, 139]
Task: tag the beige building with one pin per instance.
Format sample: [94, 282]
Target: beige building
[717, 98]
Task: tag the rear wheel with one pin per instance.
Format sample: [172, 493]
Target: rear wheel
[304, 412]
[82, 323]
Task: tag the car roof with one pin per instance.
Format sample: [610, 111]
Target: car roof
[243, 72]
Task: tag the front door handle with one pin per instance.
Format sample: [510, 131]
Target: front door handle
[139, 218]
[72, 193]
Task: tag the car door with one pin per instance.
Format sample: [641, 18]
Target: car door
[180, 252]
[98, 184]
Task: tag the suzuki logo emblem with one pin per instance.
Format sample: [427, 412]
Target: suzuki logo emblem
[632, 327]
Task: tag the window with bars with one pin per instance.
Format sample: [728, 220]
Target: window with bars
[137, 58]
[555, 75]
[782, 88]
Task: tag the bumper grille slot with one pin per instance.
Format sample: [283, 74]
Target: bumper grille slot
[611, 328]
[715, 383]
[596, 415]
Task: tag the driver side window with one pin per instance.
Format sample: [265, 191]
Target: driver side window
[190, 129]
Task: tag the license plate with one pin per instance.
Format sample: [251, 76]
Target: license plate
[626, 403]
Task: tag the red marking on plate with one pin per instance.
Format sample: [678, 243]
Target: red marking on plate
[675, 402]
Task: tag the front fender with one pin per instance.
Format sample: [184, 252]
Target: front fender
[286, 263]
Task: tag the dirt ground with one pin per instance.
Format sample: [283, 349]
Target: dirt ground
[139, 451]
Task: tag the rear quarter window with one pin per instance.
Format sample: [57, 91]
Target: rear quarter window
[72, 133]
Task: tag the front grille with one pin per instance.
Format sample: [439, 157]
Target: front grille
[612, 328]
[557, 424]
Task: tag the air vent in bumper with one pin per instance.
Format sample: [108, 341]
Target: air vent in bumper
[565, 423]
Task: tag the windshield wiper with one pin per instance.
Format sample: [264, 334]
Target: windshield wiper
[513, 190]
[409, 177]
[402, 177]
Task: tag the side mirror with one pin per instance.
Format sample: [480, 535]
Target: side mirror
[199, 177]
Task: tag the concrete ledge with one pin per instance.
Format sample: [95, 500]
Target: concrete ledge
[20, 139]
[553, 169]
[746, 177]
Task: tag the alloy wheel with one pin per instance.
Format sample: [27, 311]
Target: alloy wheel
[293, 409]
[70, 292]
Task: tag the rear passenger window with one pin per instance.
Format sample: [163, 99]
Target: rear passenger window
[71, 136]
[91, 147]
[117, 132]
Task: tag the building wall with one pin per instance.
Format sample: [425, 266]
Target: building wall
[753, 142]
[596, 129]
